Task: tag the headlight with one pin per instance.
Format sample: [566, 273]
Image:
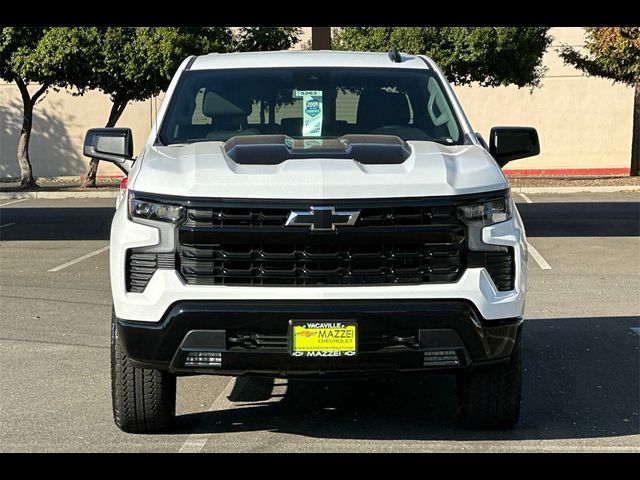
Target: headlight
[149, 210]
[487, 212]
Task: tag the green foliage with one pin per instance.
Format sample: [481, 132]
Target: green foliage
[13, 40]
[48, 56]
[135, 63]
[259, 39]
[612, 52]
[491, 56]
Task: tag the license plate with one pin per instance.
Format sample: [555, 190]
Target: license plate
[323, 339]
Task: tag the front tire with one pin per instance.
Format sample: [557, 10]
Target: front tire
[144, 399]
[489, 397]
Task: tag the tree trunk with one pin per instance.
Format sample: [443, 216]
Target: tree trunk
[320, 38]
[635, 142]
[116, 112]
[24, 162]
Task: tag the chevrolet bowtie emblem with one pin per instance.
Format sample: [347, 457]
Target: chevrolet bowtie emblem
[322, 218]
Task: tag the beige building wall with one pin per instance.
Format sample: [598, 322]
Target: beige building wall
[59, 124]
[583, 122]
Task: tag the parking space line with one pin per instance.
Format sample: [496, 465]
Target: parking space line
[525, 198]
[14, 201]
[195, 442]
[79, 259]
[538, 258]
[6, 225]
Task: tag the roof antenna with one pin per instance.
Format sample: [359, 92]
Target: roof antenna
[394, 55]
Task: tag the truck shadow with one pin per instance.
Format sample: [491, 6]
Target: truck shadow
[581, 380]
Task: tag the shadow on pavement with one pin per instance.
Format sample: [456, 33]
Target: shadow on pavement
[571, 219]
[57, 223]
[581, 219]
[581, 380]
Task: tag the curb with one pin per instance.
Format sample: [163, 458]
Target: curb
[56, 195]
[585, 189]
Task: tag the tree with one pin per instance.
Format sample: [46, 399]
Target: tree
[47, 57]
[613, 53]
[137, 63]
[491, 56]
[259, 39]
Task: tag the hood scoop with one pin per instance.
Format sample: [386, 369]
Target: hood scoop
[275, 149]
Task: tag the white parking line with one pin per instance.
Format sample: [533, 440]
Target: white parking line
[6, 225]
[79, 259]
[538, 258]
[14, 201]
[196, 441]
[525, 198]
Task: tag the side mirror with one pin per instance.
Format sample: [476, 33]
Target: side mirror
[110, 144]
[512, 143]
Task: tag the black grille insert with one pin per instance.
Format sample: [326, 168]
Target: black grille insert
[140, 268]
[322, 264]
[393, 243]
[501, 268]
[369, 217]
[278, 341]
[500, 264]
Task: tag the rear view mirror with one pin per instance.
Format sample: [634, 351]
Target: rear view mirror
[512, 143]
[110, 144]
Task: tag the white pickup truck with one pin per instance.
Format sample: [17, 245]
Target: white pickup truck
[315, 214]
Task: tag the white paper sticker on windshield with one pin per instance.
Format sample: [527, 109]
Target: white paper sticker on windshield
[311, 112]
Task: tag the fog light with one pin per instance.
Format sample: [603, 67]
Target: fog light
[203, 359]
[441, 358]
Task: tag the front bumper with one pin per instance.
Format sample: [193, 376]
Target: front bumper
[455, 327]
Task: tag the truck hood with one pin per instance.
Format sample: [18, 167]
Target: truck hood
[204, 169]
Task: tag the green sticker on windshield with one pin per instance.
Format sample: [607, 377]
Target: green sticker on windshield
[311, 112]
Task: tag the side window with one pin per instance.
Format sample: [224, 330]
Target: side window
[199, 118]
[439, 110]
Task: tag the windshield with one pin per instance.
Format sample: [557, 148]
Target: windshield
[215, 105]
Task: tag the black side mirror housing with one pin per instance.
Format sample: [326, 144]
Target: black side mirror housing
[110, 144]
[511, 143]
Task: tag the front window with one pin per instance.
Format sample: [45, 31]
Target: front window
[215, 105]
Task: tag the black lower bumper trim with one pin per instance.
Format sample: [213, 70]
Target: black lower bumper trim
[251, 337]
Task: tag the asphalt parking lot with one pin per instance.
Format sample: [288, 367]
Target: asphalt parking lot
[581, 351]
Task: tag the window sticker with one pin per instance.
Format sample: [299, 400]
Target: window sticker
[311, 112]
